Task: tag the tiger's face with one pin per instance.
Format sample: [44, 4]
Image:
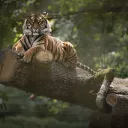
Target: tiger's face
[36, 24]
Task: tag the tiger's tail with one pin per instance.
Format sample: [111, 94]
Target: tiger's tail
[82, 66]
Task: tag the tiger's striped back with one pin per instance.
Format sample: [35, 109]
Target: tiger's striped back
[64, 52]
[61, 51]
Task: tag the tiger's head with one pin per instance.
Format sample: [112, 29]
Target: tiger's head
[36, 24]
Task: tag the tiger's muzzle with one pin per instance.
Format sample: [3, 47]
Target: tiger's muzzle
[35, 32]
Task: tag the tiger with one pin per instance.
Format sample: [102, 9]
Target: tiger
[37, 37]
[33, 26]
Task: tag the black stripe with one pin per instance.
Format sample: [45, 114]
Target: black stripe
[59, 52]
[37, 37]
[71, 56]
[45, 23]
[30, 42]
[25, 43]
[51, 47]
[22, 43]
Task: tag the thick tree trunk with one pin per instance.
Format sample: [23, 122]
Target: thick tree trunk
[54, 80]
[48, 79]
[118, 96]
[77, 86]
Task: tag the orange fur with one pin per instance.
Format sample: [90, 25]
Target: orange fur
[30, 53]
[17, 47]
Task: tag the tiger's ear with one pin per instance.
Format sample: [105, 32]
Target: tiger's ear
[45, 14]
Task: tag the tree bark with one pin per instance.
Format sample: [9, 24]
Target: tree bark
[54, 80]
[48, 79]
[118, 96]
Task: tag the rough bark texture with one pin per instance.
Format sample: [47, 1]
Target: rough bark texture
[77, 86]
[119, 86]
[119, 103]
[49, 79]
[117, 99]
[101, 96]
[54, 80]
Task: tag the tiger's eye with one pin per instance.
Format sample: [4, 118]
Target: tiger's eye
[32, 22]
[40, 21]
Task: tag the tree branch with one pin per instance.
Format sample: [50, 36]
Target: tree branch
[54, 80]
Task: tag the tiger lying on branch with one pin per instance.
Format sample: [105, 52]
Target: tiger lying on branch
[36, 37]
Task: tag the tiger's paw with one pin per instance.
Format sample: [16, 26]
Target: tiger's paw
[21, 53]
[18, 49]
[27, 58]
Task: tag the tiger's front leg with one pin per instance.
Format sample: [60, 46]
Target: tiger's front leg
[30, 53]
[17, 47]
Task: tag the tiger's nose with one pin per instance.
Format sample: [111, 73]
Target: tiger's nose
[35, 30]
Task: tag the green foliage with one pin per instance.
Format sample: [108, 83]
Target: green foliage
[3, 95]
[56, 106]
